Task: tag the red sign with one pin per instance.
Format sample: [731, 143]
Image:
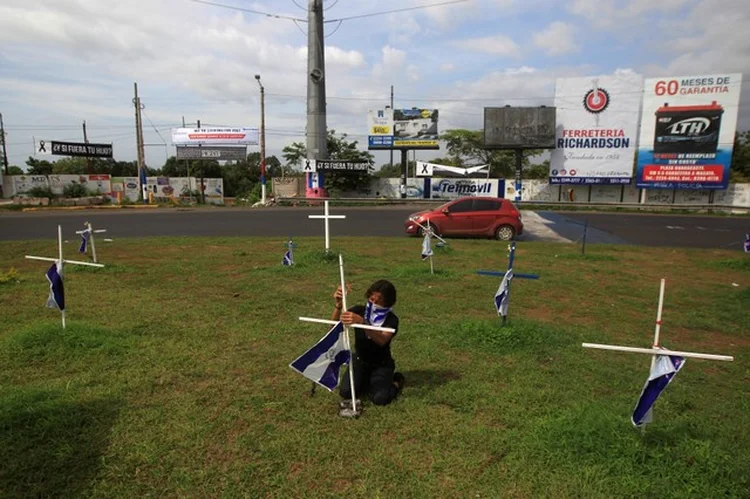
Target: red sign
[683, 173]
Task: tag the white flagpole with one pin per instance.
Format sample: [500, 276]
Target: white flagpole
[60, 265]
[346, 329]
[356, 326]
[328, 234]
[657, 329]
[76, 262]
[93, 245]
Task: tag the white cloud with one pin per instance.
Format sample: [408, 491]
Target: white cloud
[556, 39]
[500, 45]
[393, 57]
[447, 67]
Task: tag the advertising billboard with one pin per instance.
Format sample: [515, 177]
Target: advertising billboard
[597, 128]
[403, 129]
[687, 131]
[519, 127]
[215, 136]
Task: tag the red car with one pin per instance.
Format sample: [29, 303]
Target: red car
[470, 216]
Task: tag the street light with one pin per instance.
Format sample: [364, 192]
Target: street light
[262, 141]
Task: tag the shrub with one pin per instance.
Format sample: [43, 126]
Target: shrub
[75, 191]
[41, 192]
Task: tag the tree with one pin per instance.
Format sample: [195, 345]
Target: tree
[466, 147]
[740, 169]
[338, 148]
[537, 171]
[15, 170]
[38, 166]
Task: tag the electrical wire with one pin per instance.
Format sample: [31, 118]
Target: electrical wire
[393, 11]
[250, 11]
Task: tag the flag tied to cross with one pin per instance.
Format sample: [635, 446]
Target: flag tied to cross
[502, 296]
[375, 315]
[426, 246]
[289, 255]
[84, 240]
[747, 243]
[56, 297]
[663, 370]
[323, 361]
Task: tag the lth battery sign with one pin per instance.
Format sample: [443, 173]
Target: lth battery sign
[687, 131]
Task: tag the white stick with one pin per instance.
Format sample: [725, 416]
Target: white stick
[428, 229]
[328, 236]
[346, 329]
[93, 245]
[658, 313]
[326, 217]
[432, 268]
[658, 351]
[358, 326]
[74, 262]
[60, 265]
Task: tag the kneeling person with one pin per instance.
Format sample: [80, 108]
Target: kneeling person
[374, 367]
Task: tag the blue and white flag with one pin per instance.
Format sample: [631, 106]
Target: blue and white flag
[56, 290]
[84, 240]
[663, 371]
[288, 258]
[426, 247]
[375, 315]
[747, 243]
[502, 296]
[323, 361]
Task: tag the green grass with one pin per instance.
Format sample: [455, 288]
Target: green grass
[172, 377]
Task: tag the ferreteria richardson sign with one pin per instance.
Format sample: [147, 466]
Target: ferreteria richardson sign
[81, 149]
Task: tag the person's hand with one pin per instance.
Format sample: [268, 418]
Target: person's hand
[352, 318]
[338, 296]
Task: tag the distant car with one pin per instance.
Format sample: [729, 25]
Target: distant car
[470, 216]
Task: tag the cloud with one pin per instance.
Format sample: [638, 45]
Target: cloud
[556, 39]
[393, 58]
[500, 45]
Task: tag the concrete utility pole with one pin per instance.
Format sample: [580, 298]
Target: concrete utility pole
[5, 151]
[262, 141]
[391, 130]
[86, 141]
[139, 141]
[317, 130]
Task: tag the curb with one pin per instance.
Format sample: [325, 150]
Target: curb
[92, 207]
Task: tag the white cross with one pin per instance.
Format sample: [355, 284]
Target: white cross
[91, 237]
[60, 260]
[430, 233]
[326, 216]
[656, 350]
[347, 343]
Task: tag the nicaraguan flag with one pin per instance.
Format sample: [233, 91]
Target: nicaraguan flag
[288, 258]
[426, 247]
[375, 315]
[84, 240]
[502, 297]
[323, 361]
[664, 369]
[56, 290]
[747, 243]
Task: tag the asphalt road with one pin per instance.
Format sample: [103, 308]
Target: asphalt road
[384, 221]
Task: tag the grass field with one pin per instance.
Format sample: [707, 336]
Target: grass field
[172, 379]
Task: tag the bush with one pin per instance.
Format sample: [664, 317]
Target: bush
[75, 191]
[41, 192]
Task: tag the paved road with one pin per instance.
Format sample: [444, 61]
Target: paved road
[640, 229]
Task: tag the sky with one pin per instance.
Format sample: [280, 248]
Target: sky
[66, 61]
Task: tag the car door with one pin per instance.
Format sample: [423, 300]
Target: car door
[457, 220]
[486, 213]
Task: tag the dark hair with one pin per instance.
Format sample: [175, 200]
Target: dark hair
[386, 289]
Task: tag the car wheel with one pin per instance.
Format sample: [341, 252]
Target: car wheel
[505, 233]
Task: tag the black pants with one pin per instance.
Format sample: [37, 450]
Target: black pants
[375, 380]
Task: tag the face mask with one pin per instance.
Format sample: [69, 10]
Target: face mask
[375, 315]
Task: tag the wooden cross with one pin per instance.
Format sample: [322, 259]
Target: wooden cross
[326, 217]
[60, 261]
[509, 274]
[427, 230]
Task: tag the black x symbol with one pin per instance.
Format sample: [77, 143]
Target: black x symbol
[424, 168]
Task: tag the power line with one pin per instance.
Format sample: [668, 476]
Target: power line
[405, 9]
[250, 11]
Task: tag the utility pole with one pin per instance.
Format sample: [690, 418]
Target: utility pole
[262, 141]
[86, 141]
[392, 132]
[316, 86]
[5, 151]
[187, 170]
[139, 141]
[200, 162]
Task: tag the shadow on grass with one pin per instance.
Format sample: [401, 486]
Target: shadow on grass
[419, 381]
[51, 446]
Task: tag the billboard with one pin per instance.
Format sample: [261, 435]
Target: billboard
[44, 147]
[215, 136]
[687, 131]
[597, 128]
[519, 127]
[227, 153]
[403, 129]
[455, 188]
